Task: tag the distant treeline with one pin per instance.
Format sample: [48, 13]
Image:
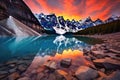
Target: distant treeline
[106, 28]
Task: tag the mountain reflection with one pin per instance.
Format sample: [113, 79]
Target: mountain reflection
[43, 45]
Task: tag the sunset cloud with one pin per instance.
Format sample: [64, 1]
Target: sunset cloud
[76, 9]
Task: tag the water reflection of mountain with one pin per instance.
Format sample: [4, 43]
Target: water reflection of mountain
[52, 44]
[45, 45]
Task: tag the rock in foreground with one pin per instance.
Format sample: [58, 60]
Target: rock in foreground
[86, 73]
[66, 62]
[107, 63]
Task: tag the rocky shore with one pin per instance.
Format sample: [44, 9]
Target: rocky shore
[111, 40]
[13, 69]
[102, 63]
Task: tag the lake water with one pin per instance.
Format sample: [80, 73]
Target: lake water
[28, 55]
[11, 47]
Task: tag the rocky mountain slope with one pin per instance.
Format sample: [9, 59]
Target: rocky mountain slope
[14, 27]
[20, 11]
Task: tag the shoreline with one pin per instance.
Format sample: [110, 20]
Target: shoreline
[112, 39]
[104, 58]
[104, 64]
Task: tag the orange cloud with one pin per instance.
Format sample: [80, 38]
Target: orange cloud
[76, 9]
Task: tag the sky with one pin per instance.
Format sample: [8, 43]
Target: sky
[76, 9]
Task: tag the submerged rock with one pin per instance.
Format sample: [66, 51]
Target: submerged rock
[114, 51]
[2, 76]
[22, 67]
[24, 78]
[66, 62]
[107, 63]
[97, 52]
[86, 73]
[40, 76]
[59, 76]
[12, 62]
[14, 76]
[87, 58]
[12, 70]
[55, 75]
[114, 76]
[86, 52]
[3, 72]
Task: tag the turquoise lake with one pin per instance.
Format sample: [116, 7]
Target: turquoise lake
[12, 47]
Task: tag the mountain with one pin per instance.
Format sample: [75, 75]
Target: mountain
[48, 21]
[106, 28]
[87, 22]
[112, 18]
[41, 23]
[61, 26]
[20, 11]
[14, 27]
[98, 22]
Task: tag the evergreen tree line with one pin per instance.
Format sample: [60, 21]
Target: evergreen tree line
[110, 27]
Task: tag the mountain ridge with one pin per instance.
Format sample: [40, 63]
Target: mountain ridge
[61, 26]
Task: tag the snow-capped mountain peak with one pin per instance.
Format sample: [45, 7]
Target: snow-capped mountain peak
[60, 26]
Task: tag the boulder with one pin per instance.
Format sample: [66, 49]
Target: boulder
[99, 56]
[105, 51]
[40, 76]
[103, 45]
[59, 76]
[2, 76]
[86, 52]
[87, 58]
[24, 78]
[65, 74]
[114, 76]
[102, 70]
[86, 73]
[97, 52]
[3, 72]
[114, 51]
[92, 57]
[107, 63]
[12, 65]
[12, 62]
[93, 48]
[56, 75]
[22, 67]
[51, 64]
[66, 62]
[52, 77]
[12, 70]
[13, 76]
